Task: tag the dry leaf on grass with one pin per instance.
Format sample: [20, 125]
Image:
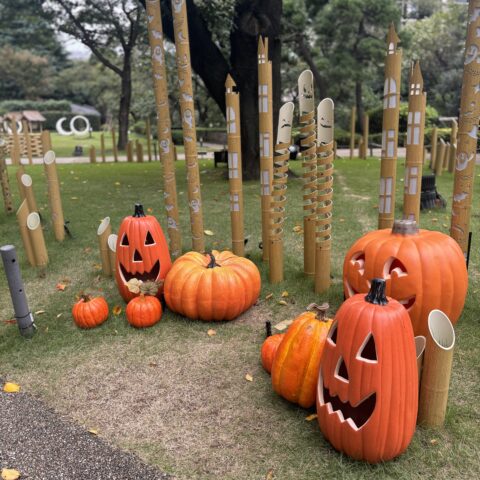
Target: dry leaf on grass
[284, 294]
[269, 475]
[93, 431]
[282, 302]
[11, 387]
[209, 233]
[10, 474]
[297, 228]
[39, 312]
[117, 310]
[211, 332]
[283, 325]
[248, 378]
[150, 210]
[269, 296]
[433, 441]
[10, 321]
[60, 286]
[311, 417]
[59, 315]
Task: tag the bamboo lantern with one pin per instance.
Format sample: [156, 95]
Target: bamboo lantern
[22, 215]
[148, 134]
[391, 109]
[18, 175]
[420, 343]
[37, 241]
[112, 251]
[265, 117]
[366, 131]
[433, 148]
[7, 195]
[441, 151]
[323, 234]
[54, 196]
[139, 151]
[27, 184]
[164, 132]
[353, 115]
[102, 147]
[417, 101]
[279, 192]
[308, 148]
[437, 368]
[187, 108]
[16, 150]
[234, 139]
[28, 144]
[46, 141]
[93, 154]
[114, 145]
[130, 151]
[103, 232]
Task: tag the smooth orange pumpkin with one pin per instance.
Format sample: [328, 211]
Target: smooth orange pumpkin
[269, 350]
[423, 270]
[90, 312]
[212, 287]
[297, 360]
[143, 311]
[367, 397]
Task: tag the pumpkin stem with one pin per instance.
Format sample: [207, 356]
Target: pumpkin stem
[268, 328]
[405, 227]
[138, 211]
[376, 295]
[212, 263]
[320, 310]
[85, 297]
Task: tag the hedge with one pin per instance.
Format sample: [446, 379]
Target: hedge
[40, 105]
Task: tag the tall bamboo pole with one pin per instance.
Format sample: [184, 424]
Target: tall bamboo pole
[366, 131]
[54, 196]
[187, 108]
[234, 139]
[37, 240]
[18, 175]
[139, 151]
[102, 147]
[130, 151]
[16, 152]
[7, 195]
[391, 109]
[46, 141]
[27, 183]
[103, 232]
[22, 215]
[148, 134]
[114, 145]
[433, 147]
[93, 154]
[164, 131]
[353, 116]
[441, 151]
[417, 102]
[308, 148]
[28, 144]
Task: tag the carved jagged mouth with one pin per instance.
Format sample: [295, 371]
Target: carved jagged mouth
[144, 277]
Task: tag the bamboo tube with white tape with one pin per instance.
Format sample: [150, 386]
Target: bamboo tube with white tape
[27, 184]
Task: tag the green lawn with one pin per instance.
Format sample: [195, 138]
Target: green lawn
[178, 397]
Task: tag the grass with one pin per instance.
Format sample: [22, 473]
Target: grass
[174, 395]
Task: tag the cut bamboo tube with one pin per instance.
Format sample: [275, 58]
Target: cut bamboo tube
[18, 175]
[265, 117]
[366, 132]
[46, 142]
[112, 252]
[7, 194]
[441, 150]
[22, 215]
[102, 147]
[446, 157]
[391, 109]
[93, 154]
[308, 147]
[452, 154]
[16, 152]
[433, 148]
[323, 233]
[103, 232]
[54, 196]
[420, 343]
[417, 101]
[353, 115]
[187, 108]
[164, 131]
[27, 183]
[148, 134]
[37, 240]
[139, 151]
[129, 151]
[437, 367]
[234, 140]
[28, 144]
[114, 145]
[279, 192]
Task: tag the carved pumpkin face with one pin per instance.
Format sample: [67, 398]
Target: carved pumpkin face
[367, 392]
[142, 252]
[423, 270]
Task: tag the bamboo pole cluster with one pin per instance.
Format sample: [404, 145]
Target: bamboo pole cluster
[7, 195]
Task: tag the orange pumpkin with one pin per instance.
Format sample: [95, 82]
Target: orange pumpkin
[367, 397]
[90, 312]
[269, 347]
[297, 360]
[423, 270]
[216, 286]
[143, 311]
[142, 252]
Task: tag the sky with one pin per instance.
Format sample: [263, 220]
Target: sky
[75, 49]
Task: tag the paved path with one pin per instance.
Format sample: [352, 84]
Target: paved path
[44, 446]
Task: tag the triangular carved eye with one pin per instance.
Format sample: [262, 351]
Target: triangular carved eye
[341, 371]
[149, 240]
[125, 241]
[368, 350]
[332, 334]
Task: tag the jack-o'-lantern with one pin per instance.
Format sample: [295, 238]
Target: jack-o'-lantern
[142, 252]
[367, 391]
[423, 270]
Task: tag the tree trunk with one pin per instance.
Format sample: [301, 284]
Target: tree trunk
[125, 100]
[359, 103]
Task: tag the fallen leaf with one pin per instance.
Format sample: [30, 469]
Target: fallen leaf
[117, 183]
[341, 219]
[284, 294]
[61, 286]
[211, 332]
[445, 225]
[11, 321]
[297, 228]
[97, 266]
[74, 198]
[375, 206]
[283, 325]
[93, 431]
[153, 364]
[282, 302]
[10, 387]
[269, 475]
[434, 219]
[150, 210]
[311, 417]
[269, 296]
[248, 378]
[87, 249]
[117, 310]
[209, 233]
[59, 315]
[433, 441]
[10, 474]
[39, 312]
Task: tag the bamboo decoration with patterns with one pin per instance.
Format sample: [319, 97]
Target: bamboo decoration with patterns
[265, 117]
[323, 246]
[164, 131]
[46, 141]
[279, 192]
[18, 175]
[7, 195]
[54, 197]
[37, 240]
[308, 148]
[187, 108]
[391, 109]
[234, 139]
[27, 186]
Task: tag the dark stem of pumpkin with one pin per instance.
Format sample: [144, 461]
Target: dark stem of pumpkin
[320, 310]
[85, 297]
[212, 263]
[405, 227]
[268, 328]
[376, 295]
[138, 211]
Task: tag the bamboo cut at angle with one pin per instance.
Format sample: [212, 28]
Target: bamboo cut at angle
[103, 232]
[22, 215]
[37, 240]
[54, 197]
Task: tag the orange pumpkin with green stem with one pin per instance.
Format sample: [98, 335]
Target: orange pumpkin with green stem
[145, 310]
[89, 312]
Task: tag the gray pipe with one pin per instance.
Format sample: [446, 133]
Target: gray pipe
[23, 315]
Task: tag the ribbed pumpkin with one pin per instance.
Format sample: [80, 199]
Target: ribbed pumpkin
[212, 287]
[297, 361]
[423, 270]
[143, 311]
[367, 396]
[269, 347]
[90, 312]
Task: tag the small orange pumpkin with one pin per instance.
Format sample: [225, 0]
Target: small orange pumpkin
[269, 347]
[89, 311]
[212, 287]
[145, 310]
[297, 361]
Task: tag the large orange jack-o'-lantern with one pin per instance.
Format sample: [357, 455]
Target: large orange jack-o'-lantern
[142, 252]
[367, 391]
[423, 270]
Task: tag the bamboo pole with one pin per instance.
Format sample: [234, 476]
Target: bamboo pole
[366, 131]
[467, 132]
[353, 115]
[27, 183]
[441, 150]
[112, 252]
[18, 175]
[323, 234]
[265, 117]
[308, 147]
[417, 102]
[187, 107]
[37, 240]
[16, 152]
[54, 196]
[103, 232]
[46, 141]
[28, 144]
[164, 131]
[7, 194]
[102, 147]
[22, 215]
[452, 154]
[437, 367]
[93, 154]
[391, 109]
[148, 133]
[446, 157]
[433, 148]
[114, 145]
[279, 192]
[139, 151]
[420, 343]
[234, 140]
[130, 151]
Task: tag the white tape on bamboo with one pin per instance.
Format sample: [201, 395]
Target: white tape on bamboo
[103, 232]
[27, 184]
[112, 251]
[420, 343]
[54, 197]
[22, 215]
[37, 240]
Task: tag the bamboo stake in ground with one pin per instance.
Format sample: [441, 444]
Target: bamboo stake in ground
[130, 151]
[114, 145]
[18, 175]
[93, 154]
[139, 151]
[441, 150]
[433, 148]
[54, 196]
[446, 157]
[27, 184]
[323, 234]
[148, 134]
[16, 152]
[417, 101]
[22, 215]
[353, 115]
[437, 367]
[103, 232]
[234, 139]
[7, 195]
[308, 148]
[102, 147]
[46, 142]
[112, 252]
[279, 192]
[187, 107]
[265, 118]
[37, 240]
[391, 108]
[164, 131]
[28, 144]
[366, 129]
